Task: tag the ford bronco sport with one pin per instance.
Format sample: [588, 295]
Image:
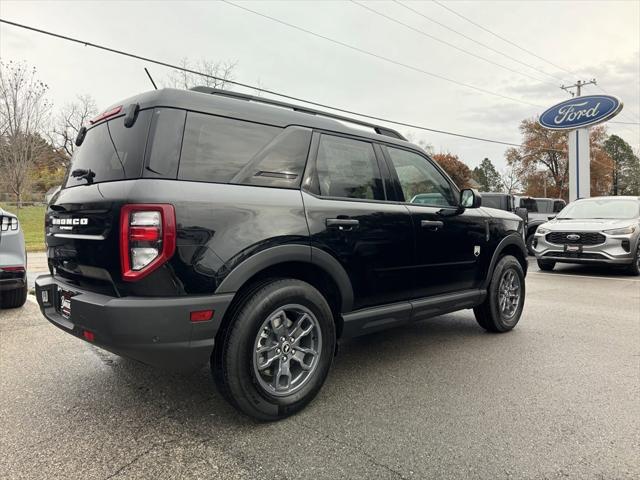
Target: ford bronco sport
[208, 225]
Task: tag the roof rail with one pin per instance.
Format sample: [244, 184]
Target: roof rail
[389, 132]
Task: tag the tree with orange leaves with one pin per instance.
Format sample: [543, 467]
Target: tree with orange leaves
[458, 171]
[542, 161]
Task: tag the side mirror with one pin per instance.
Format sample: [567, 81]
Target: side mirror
[523, 213]
[551, 217]
[470, 198]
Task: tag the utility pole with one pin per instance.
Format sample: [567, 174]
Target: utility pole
[578, 86]
[579, 150]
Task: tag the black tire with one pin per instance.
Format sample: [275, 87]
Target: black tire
[233, 363]
[634, 268]
[529, 243]
[489, 314]
[14, 298]
[546, 265]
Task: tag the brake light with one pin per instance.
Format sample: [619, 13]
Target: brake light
[12, 269]
[105, 115]
[147, 238]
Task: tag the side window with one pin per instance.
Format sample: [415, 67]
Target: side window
[421, 182]
[164, 143]
[279, 164]
[348, 168]
[558, 205]
[530, 204]
[215, 149]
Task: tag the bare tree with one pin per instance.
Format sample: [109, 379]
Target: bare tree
[24, 113]
[218, 74]
[68, 123]
[511, 180]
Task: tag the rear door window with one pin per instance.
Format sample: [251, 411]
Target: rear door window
[215, 149]
[111, 151]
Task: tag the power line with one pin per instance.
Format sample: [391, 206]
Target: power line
[451, 45]
[251, 87]
[380, 57]
[501, 37]
[488, 47]
[260, 89]
[491, 32]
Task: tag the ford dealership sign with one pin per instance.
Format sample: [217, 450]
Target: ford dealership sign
[581, 112]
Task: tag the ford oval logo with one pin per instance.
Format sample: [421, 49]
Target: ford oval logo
[573, 236]
[581, 112]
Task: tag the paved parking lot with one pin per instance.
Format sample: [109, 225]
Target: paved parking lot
[559, 397]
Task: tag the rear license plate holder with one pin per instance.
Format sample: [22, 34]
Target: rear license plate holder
[65, 303]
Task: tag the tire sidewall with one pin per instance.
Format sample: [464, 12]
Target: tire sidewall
[248, 321]
[501, 322]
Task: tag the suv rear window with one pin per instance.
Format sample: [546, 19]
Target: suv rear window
[111, 151]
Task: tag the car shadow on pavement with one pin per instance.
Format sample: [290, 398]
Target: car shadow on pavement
[194, 395]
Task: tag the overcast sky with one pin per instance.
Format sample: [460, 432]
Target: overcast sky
[589, 39]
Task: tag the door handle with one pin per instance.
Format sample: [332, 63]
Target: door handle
[345, 224]
[431, 224]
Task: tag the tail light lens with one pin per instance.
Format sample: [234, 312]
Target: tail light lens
[147, 238]
[8, 223]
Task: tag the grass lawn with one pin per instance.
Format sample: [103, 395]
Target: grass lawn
[32, 222]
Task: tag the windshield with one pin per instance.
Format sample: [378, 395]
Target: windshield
[110, 151]
[601, 208]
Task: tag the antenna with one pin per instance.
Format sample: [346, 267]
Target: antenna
[150, 78]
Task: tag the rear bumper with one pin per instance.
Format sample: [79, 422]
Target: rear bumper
[155, 331]
[12, 280]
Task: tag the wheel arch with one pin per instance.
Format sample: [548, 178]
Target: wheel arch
[510, 245]
[302, 262]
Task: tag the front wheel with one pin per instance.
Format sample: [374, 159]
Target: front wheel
[634, 268]
[546, 265]
[277, 350]
[502, 308]
[529, 243]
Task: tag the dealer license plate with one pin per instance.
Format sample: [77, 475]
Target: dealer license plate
[573, 248]
[65, 303]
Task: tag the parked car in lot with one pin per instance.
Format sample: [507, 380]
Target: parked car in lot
[207, 225]
[13, 262]
[600, 230]
[539, 211]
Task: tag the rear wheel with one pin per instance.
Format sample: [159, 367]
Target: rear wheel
[277, 350]
[546, 265]
[634, 268]
[502, 308]
[14, 298]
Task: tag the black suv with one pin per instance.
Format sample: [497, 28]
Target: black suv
[208, 225]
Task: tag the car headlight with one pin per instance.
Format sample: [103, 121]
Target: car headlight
[542, 231]
[621, 231]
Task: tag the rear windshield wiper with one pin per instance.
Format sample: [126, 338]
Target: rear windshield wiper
[82, 173]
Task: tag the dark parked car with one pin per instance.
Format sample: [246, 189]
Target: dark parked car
[207, 225]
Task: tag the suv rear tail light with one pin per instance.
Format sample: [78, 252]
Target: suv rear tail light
[8, 223]
[147, 238]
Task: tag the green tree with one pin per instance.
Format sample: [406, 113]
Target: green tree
[487, 176]
[626, 166]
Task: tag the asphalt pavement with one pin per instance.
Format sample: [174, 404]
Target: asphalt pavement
[558, 397]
